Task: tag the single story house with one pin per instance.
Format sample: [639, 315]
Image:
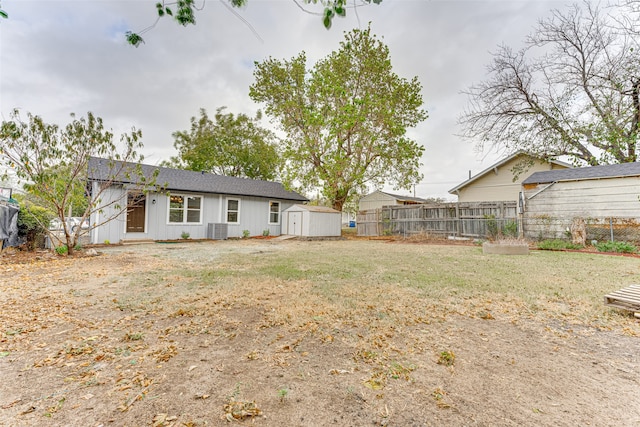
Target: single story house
[497, 183]
[378, 199]
[199, 204]
[312, 221]
[596, 194]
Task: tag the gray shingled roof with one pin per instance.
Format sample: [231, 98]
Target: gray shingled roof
[405, 198]
[590, 172]
[197, 182]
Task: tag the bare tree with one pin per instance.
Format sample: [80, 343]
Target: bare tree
[54, 163]
[573, 90]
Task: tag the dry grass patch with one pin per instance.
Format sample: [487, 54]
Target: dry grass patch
[356, 330]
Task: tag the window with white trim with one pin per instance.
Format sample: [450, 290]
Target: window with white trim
[185, 209]
[233, 211]
[274, 212]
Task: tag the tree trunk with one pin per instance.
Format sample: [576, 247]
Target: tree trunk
[631, 154]
[339, 199]
[70, 243]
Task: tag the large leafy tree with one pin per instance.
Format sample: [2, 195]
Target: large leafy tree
[232, 146]
[345, 118]
[184, 12]
[53, 162]
[574, 90]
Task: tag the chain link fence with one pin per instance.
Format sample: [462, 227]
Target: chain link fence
[592, 230]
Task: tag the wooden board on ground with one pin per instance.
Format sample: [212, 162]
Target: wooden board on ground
[626, 298]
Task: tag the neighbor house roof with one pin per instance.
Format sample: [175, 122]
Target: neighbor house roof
[498, 165]
[400, 198]
[197, 182]
[590, 172]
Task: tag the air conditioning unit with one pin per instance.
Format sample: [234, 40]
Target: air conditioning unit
[217, 231]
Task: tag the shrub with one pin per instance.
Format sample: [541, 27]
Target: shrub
[619, 247]
[185, 235]
[265, 232]
[62, 250]
[557, 245]
[510, 229]
[245, 234]
[32, 223]
[492, 227]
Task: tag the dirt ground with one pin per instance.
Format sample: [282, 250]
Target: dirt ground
[140, 336]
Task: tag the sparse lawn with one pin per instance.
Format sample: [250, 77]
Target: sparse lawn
[318, 333]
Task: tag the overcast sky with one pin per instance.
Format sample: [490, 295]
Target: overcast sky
[59, 57]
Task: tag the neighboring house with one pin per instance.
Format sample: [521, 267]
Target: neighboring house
[608, 191]
[311, 221]
[378, 199]
[203, 205]
[496, 183]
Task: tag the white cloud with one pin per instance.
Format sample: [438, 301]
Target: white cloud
[58, 57]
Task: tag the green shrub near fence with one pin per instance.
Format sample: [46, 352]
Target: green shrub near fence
[557, 245]
[619, 247]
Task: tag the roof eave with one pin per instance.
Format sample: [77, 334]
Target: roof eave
[590, 178]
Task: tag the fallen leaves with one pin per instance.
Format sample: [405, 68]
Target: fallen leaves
[163, 420]
[239, 410]
[164, 354]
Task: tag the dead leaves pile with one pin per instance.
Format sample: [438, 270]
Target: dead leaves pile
[239, 410]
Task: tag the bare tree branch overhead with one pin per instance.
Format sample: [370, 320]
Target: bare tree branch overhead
[573, 90]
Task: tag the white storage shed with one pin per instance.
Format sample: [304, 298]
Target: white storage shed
[311, 221]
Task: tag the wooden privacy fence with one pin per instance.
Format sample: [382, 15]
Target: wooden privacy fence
[443, 219]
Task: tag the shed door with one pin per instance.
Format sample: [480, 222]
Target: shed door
[136, 206]
[294, 223]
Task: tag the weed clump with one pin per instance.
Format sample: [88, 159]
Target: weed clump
[446, 358]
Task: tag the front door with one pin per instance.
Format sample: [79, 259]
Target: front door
[136, 206]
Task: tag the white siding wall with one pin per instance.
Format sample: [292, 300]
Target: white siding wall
[111, 231]
[375, 200]
[613, 197]
[254, 217]
[323, 224]
[159, 227]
